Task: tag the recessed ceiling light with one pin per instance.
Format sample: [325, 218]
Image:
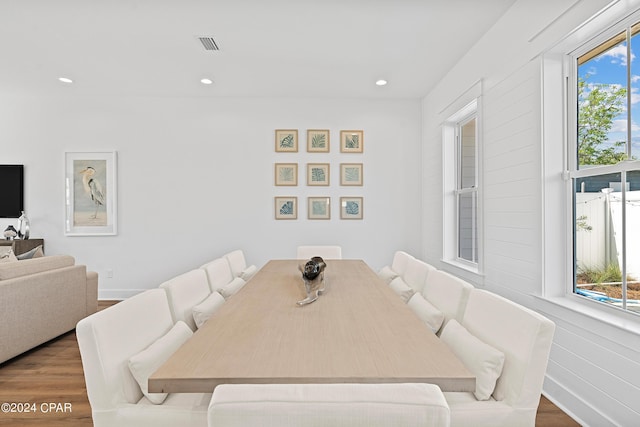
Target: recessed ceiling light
[206, 81]
[65, 79]
[381, 82]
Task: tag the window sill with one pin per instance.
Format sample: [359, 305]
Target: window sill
[612, 316]
[466, 271]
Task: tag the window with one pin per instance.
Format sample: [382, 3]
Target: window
[604, 170]
[467, 190]
[461, 201]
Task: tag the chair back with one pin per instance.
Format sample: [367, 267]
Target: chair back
[415, 273]
[219, 273]
[400, 261]
[447, 293]
[326, 252]
[336, 405]
[237, 262]
[184, 292]
[108, 338]
[524, 337]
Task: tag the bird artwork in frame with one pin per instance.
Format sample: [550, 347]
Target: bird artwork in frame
[90, 194]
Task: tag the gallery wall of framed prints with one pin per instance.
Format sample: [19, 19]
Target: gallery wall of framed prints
[317, 174]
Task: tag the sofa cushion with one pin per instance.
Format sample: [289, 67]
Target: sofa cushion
[33, 253]
[35, 265]
[203, 311]
[426, 312]
[145, 363]
[231, 288]
[484, 361]
[402, 289]
[8, 256]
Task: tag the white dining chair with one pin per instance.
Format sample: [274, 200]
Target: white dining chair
[326, 252]
[239, 266]
[108, 340]
[336, 405]
[186, 291]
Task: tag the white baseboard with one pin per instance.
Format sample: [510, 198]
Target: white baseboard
[118, 294]
[573, 405]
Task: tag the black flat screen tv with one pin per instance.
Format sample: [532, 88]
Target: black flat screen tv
[11, 191]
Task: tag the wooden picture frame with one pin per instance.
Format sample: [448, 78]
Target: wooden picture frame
[286, 174]
[318, 140]
[351, 174]
[286, 140]
[351, 207]
[91, 194]
[286, 207]
[319, 207]
[318, 174]
[351, 141]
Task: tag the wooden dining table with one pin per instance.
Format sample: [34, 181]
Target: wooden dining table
[357, 331]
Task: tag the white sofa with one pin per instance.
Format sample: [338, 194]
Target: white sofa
[108, 340]
[335, 405]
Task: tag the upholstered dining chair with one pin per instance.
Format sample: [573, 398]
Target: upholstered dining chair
[326, 252]
[140, 328]
[336, 405]
[238, 265]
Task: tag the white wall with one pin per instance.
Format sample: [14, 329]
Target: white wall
[196, 179]
[593, 369]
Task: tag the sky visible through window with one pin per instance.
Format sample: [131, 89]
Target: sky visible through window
[610, 67]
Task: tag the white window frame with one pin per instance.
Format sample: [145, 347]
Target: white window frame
[452, 190]
[559, 101]
[573, 171]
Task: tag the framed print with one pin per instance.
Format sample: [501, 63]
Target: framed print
[286, 207]
[318, 141]
[317, 173]
[351, 141]
[319, 208]
[287, 140]
[350, 173]
[351, 207]
[90, 194]
[286, 174]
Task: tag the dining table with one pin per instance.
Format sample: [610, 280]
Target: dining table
[357, 331]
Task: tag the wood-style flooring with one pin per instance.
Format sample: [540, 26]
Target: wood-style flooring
[45, 387]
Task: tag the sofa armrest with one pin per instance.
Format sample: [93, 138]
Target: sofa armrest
[92, 292]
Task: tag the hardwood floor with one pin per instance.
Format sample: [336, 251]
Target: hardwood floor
[45, 387]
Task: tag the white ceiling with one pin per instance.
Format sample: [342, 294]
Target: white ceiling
[314, 48]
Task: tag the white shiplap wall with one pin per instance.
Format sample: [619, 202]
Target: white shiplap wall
[512, 194]
[594, 367]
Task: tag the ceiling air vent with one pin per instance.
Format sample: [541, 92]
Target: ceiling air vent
[209, 43]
